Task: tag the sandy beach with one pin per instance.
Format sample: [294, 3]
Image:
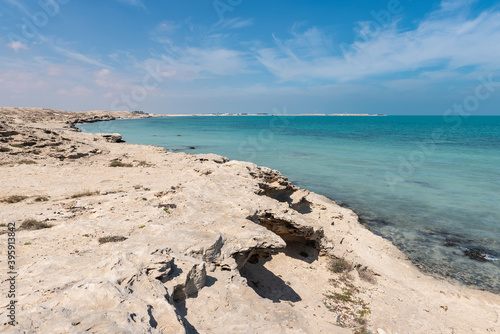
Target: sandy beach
[117, 238]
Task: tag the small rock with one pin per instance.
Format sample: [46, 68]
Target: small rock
[69, 205]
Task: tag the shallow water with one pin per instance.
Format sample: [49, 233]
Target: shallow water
[429, 186]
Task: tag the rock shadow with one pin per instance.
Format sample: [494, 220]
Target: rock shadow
[267, 285]
[210, 280]
[182, 311]
[303, 207]
[301, 249]
[281, 195]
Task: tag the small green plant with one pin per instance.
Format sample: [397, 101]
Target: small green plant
[14, 199]
[85, 235]
[119, 164]
[85, 193]
[27, 243]
[3, 224]
[345, 296]
[166, 210]
[137, 187]
[340, 265]
[363, 330]
[16, 145]
[350, 309]
[143, 164]
[33, 224]
[147, 189]
[115, 238]
[364, 312]
[142, 226]
[41, 198]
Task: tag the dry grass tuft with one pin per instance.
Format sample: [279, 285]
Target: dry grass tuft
[42, 198]
[85, 193]
[14, 199]
[115, 238]
[366, 274]
[340, 265]
[119, 164]
[33, 224]
[26, 162]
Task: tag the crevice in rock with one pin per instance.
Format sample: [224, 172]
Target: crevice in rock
[289, 230]
[279, 188]
[253, 256]
[273, 184]
[303, 242]
[277, 193]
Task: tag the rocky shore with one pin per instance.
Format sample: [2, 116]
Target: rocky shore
[119, 238]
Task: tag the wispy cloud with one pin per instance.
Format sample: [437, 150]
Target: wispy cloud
[67, 53]
[76, 91]
[235, 23]
[442, 41]
[20, 6]
[453, 5]
[134, 3]
[189, 63]
[80, 57]
[16, 46]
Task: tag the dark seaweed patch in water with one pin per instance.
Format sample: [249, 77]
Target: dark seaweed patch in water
[422, 184]
[372, 221]
[476, 254]
[442, 253]
[472, 265]
[177, 149]
[452, 242]
[469, 247]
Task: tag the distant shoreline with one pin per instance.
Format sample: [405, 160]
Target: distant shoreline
[263, 114]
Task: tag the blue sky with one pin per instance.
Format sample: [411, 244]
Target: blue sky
[186, 56]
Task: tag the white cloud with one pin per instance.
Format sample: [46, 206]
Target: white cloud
[18, 82]
[453, 5]
[443, 42]
[167, 27]
[76, 91]
[235, 23]
[107, 79]
[134, 3]
[20, 6]
[16, 46]
[194, 63]
[78, 56]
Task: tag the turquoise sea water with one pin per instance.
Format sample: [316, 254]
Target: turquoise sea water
[430, 185]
